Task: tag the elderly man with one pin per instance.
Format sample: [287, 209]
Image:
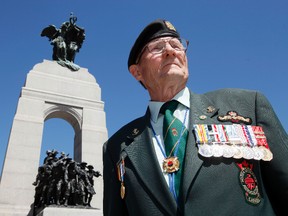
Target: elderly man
[220, 153]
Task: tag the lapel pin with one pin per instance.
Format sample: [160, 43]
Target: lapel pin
[210, 109]
[202, 117]
[135, 132]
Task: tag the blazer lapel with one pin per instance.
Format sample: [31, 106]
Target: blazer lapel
[143, 157]
[199, 114]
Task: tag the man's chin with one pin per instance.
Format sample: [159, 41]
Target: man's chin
[175, 72]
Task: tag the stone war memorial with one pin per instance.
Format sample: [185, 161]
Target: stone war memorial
[62, 184]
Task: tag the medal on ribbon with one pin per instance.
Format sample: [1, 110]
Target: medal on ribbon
[203, 139]
[121, 172]
[262, 143]
[249, 183]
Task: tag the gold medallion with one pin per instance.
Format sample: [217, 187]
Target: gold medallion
[121, 172]
[122, 191]
[171, 164]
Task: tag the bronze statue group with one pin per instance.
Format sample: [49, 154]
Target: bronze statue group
[66, 41]
[63, 181]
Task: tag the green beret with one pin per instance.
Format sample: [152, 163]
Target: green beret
[156, 29]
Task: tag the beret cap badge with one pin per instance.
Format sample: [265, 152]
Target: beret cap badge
[169, 25]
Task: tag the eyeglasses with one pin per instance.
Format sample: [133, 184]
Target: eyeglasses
[159, 46]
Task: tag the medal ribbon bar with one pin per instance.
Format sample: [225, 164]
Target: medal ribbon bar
[237, 141]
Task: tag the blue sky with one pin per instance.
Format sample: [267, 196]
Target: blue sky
[233, 43]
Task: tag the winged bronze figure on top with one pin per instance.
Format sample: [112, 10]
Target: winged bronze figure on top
[66, 41]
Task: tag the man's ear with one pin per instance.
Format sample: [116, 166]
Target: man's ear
[135, 72]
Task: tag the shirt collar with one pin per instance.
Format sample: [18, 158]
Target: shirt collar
[183, 97]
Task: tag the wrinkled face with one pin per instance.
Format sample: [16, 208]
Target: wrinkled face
[161, 70]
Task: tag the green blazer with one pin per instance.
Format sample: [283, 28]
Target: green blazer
[209, 186]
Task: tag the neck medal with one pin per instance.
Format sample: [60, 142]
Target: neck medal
[249, 183]
[171, 164]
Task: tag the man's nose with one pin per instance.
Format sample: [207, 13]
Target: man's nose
[169, 50]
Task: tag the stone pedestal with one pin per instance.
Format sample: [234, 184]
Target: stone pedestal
[51, 91]
[69, 211]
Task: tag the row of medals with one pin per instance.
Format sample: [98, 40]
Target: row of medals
[208, 147]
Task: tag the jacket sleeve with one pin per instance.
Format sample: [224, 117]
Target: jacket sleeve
[112, 203]
[275, 172]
